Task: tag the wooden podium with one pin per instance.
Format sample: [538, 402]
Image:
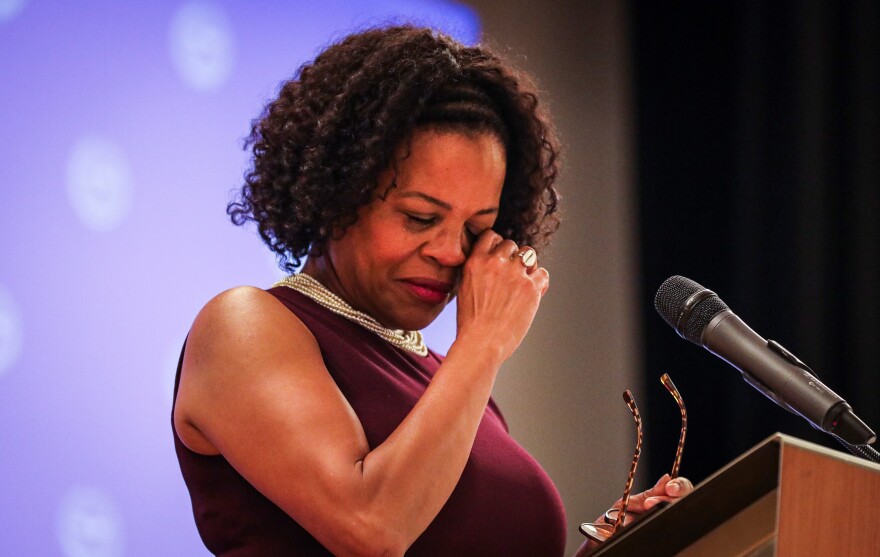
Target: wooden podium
[785, 497]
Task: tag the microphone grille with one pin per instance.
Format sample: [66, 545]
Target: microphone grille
[671, 303]
[672, 295]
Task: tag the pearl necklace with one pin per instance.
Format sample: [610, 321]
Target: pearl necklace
[411, 341]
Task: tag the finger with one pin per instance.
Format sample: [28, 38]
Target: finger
[637, 501]
[652, 502]
[679, 487]
[659, 489]
[674, 489]
[542, 279]
[505, 249]
[487, 241]
[661, 484]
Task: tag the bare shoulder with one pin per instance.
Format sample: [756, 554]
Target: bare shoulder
[240, 339]
[246, 323]
[243, 310]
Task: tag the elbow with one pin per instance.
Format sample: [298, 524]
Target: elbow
[384, 544]
[387, 548]
[370, 538]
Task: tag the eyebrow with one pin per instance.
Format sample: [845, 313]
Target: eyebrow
[443, 204]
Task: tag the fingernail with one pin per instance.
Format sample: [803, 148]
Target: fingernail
[673, 487]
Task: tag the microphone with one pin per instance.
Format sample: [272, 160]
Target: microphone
[698, 315]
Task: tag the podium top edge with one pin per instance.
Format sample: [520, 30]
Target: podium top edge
[780, 440]
[784, 439]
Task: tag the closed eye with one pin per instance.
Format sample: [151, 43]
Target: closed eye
[418, 222]
[420, 219]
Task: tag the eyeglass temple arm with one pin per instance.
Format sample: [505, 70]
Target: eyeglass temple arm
[670, 386]
[621, 516]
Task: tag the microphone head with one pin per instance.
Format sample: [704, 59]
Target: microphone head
[687, 306]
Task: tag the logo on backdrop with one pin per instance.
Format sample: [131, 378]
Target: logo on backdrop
[10, 332]
[202, 45]
[89, 524]
[10, 8]
[99, 183]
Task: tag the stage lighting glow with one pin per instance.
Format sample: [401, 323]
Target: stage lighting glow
[10, 8]
[89, 524]
[10, 332]
[99, 182]
[202, 45]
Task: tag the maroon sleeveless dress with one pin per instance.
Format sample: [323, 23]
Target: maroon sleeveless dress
[504, 503]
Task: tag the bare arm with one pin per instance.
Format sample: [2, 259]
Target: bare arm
[254, 388]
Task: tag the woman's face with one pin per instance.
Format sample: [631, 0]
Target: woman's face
[401, 261]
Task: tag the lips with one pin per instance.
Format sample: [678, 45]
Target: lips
[428, 290]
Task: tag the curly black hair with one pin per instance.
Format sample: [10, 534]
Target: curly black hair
[319, 147]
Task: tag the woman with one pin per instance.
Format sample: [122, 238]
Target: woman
[310, 419]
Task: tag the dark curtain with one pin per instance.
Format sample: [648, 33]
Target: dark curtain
[758, 148]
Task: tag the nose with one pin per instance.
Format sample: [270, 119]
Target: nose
[449, 247]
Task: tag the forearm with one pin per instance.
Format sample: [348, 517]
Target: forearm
[409, 477]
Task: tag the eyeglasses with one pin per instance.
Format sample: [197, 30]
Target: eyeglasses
[615, 518]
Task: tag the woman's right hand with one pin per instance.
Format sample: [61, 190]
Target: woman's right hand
[499, 295]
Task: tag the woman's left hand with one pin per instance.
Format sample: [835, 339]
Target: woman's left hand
[666, 489]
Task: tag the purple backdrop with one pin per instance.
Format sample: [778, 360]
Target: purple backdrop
[121, 142]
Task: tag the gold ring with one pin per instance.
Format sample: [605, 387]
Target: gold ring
[528, 257]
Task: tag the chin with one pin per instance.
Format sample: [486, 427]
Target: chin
[416, 322]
